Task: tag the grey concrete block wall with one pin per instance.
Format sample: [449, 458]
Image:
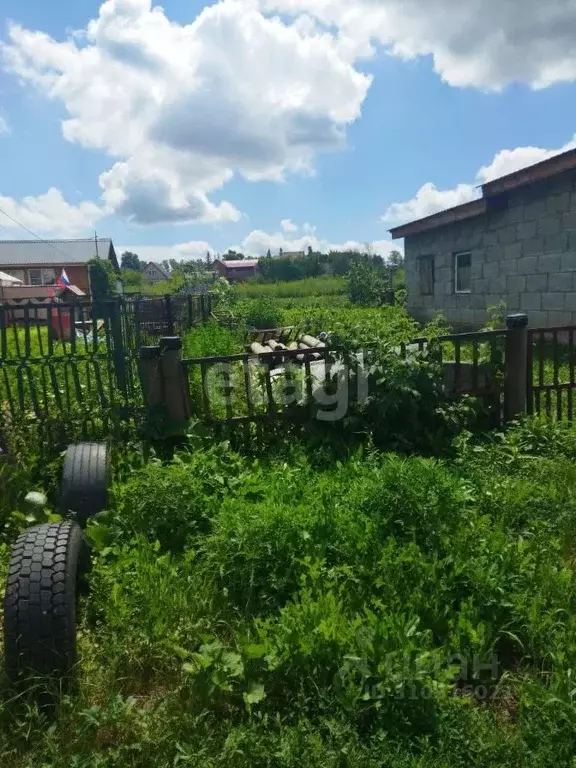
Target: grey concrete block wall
[523, 254]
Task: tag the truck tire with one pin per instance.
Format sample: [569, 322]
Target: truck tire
[40, 600]
[85, 480]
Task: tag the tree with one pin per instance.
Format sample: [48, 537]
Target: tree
[130, 260]
[268, 254]
[309, 250]
[191, 268]
[102, 278]
[395, 259]
[208, 258]
[281, 252]
[365, 283]
[132, 280]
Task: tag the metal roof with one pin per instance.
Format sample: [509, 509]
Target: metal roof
[53, 251]
[566, 161]
[537, 172]
[239, 263]
[448, 216]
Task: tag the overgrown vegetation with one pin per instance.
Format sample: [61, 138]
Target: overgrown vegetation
[386, 590]
[102, 278]
[306, 288]
[302, 610]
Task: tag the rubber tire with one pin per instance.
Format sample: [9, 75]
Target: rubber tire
[46, 564]
[85, 480]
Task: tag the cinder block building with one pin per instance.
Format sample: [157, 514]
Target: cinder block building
[516, 244]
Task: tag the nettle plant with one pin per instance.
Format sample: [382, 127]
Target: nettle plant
[401, 401]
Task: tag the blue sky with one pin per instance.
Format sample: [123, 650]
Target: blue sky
[270, 123]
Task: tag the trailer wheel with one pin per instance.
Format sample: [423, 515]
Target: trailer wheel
[85, 480]
[40, 600]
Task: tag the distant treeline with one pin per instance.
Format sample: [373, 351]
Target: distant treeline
[315, 264]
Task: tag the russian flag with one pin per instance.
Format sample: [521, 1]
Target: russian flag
[63, 281]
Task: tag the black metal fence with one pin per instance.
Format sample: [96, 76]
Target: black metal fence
[250, 387]
[77, 362]
[551, 376]
[472, 364]
[145, 321]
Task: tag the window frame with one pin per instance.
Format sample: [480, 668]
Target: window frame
[457, 257]
[47, 276]
[49, 279]
[429, 258]
[38, 271]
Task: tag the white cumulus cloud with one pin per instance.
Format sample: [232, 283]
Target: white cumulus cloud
[288, 226]
[511, 160]
[484, 44]
[259, 242]
[181, 109]
[195, 249]
[48, 214]
[429, 199]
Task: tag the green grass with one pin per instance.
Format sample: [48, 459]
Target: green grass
[310, 287]
[302, 610]
[326, 604]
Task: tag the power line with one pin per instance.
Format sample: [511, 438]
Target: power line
[40, 239]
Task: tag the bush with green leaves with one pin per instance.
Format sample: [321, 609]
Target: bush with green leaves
[259, 313]
[365, 284]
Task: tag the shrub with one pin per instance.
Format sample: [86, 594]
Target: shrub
[259, 313]
[364, 284]
[212, 339]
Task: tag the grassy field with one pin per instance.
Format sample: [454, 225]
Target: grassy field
[303, 609]
[311, 287]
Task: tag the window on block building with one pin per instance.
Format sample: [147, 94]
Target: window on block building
[426, 267]
[463, 272]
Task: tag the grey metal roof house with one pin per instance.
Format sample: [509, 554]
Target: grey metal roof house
[26, 252]
[40, 262]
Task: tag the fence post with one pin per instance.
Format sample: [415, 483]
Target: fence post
[190, 304]
[149, 370]
[516, 366]
[169, 315]
[176, 397]
[118, 345]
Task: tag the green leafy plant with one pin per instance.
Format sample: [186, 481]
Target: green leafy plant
[364, 284]
[102, 278]
[259, 313]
